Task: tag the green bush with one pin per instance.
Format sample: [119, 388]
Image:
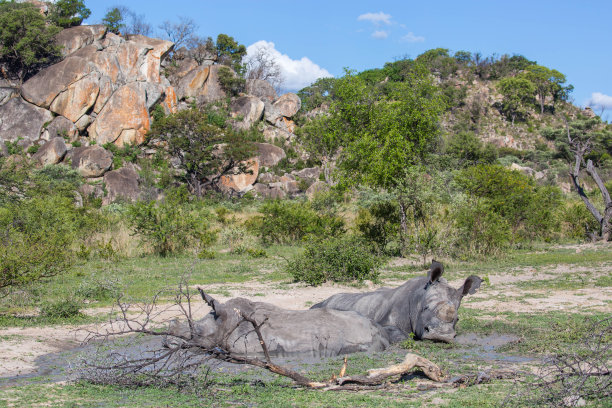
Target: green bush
[379, 224]
[35, 239]
[339, 259]
[62, 309]
[287, 222]
[171, 226]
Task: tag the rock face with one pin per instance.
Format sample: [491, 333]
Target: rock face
[269, 155]
[121, 184]
[92, 161]
[249, 108]
[51, 152]
[212, 90]
[7, 92]
[316, 187]
[261, 89]
[21, 121]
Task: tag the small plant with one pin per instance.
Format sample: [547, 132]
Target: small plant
[33, 149]
[99, 289]
[257, 253]
[341, 259]
[76, 143]
[207, 254]
[62, 309]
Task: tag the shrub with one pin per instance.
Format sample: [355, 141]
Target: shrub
[99, 289]
[286, 222]
[35, 239]
[338, 259]
[379, 224]
[170, 227]
[62, 309]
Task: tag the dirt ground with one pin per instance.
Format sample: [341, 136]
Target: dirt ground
[21, 346]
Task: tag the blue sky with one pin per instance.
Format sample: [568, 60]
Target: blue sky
[314, 37]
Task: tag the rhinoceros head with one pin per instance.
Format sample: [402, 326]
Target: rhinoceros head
[437, 315]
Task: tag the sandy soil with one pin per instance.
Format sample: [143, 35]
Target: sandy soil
[21, 346]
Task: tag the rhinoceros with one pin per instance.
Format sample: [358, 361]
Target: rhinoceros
[426, 306]
[311, 333]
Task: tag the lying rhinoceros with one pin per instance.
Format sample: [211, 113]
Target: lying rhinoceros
[315, 333]
[426, 306]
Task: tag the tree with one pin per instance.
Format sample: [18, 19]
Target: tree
[179, 32]
[547, 82]
[386, 134]
[315, 95]
[26, 40]
[230, 53]
[518, 93]
[68, 13]
[205, 147]
[580, 146]
[113, 20]
[262, 65]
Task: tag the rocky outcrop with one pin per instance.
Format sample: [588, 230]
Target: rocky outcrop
[91, 161]
[212, 90]
[269, 155]
[121, 184]
[22, 122]
[261, 89]
[272, 193]
[3, 149]
[249, 109]
[309, 173]
[51, 152]
[191, 84]
[106, 83]
[7, 91]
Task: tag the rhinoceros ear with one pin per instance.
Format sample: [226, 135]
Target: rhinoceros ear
[435, 271]
[470, 286]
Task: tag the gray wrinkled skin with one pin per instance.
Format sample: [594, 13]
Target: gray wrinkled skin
[313, 333]
[426, 306]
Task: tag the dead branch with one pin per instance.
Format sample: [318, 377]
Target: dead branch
[379, 375]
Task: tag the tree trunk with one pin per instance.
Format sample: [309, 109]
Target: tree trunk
[403, 225]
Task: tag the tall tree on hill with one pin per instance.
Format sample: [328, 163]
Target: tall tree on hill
[518, 94]
[547, 82]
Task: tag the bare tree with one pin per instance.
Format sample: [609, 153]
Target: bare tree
[580, 148]
[202, 49]
[133, 23]
[179, 32]
[262, 65]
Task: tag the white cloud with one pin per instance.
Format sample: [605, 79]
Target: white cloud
[297, 74]
[599, 100]
[381, 34]
[376, 18]
[412, 38]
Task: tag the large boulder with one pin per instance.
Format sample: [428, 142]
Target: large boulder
[121, 184]
[261, 89]
[74, 38]
[124, 119]
[269, 155]
[288, 104]
[21, 121]
[272, 133]
[3, 149]
[240, 181]
[157, 50]
[310, 173]
[51, 152]
[249, 108]
[272, 193]
[91, 161]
